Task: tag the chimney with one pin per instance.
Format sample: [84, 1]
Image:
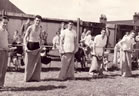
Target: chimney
[136, 17]
[103, 19]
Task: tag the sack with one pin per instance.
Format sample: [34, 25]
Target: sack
[99, 58]
[45, 60]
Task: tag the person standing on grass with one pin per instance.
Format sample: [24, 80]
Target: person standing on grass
[137, 46]
[68, 48]
[126, 49]
[32, 51]
[99, 44]
[3, 49]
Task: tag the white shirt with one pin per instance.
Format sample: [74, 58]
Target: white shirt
[87, 40]
[127, 43]
[3, 38]
[68, 38]
[99, 41]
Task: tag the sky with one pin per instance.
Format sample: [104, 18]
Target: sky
[87, 10]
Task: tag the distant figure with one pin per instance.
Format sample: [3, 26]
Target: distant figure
[62, 27]
[44, 36]
[99, 44]
[80, 56]
[56, 41]
[68, 48]
[25, 26]
[17, 37]
[83, 33]
[3, 49]
[126, 34]
[87, 39]
[126, 49]
[137, 46]
[32, 51]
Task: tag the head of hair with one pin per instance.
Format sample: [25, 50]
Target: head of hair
[70, 21]
[132, 31]
[4, 17]
[38, 16]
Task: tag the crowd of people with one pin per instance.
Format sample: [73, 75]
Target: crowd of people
[66, 41]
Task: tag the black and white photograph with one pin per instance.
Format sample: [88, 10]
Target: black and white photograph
[69, 47]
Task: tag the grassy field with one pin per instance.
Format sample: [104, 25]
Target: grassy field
[112, 85]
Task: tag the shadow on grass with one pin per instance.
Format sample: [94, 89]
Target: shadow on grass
[50, 69]
[83, 78]
[111, 76]
[50, 79]
[82, 69]
[21, 70]
[39, 88]
[12, 69]
[135, 75]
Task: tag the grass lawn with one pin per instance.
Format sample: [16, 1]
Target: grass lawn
[112, 85]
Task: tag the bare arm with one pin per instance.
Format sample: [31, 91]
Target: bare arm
[76, 44]
[41, 35]
[61, 43]
[26, 36]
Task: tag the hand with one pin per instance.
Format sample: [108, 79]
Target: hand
[93, 53]
[42, 46]
[61, 50]
[12, 48]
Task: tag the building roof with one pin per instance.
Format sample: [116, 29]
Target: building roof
[9, 7]
[124, 22]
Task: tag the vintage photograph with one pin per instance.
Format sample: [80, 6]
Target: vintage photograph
[69, 48]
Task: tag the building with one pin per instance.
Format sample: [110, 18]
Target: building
[50, 25]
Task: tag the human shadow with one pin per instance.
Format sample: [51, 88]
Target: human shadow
[39, 88]
[135, 76]
[82, 69]
[50, 69]
[51, 79]
[105, 76]
[111, 76]
[12, 69]
[83, 78]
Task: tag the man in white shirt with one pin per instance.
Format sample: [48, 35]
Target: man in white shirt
[98, 51]
[3, 49]
[68, 47]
